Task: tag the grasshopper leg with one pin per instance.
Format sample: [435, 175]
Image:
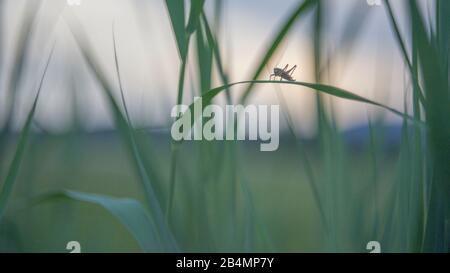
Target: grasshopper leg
[291, 71]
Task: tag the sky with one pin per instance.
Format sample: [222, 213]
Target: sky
[149, 61]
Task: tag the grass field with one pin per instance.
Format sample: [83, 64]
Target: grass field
[98, 163]
[132, 189]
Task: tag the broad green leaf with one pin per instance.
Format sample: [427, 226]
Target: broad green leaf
[129, 212]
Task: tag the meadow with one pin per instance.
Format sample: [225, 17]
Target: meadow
[132, 188]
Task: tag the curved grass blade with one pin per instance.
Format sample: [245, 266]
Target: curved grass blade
[129, 212]
[17, 70]
[146, 163]
[331, 90]
[119, 78]
[22, 46]
[13, 170]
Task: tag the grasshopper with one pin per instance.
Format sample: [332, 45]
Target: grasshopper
[283, 73]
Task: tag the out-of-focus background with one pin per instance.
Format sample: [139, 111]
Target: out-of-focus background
[146, 47]
[95, 163]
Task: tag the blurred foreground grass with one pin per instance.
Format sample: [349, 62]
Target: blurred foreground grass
[98, 163]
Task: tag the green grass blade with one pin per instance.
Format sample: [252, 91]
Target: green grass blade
[212, 41]
[281, 34]
[435, 82]
[19, 59]
[205, 58]
[354, 26]
[119, 78]
[420, 159]
[443, 33]
[327, 89]
[196, 10]
[194, 15]
[129, 212]
[127, 134]
[13, 170]
[177, 17]
[401, 43]
[148, 164]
